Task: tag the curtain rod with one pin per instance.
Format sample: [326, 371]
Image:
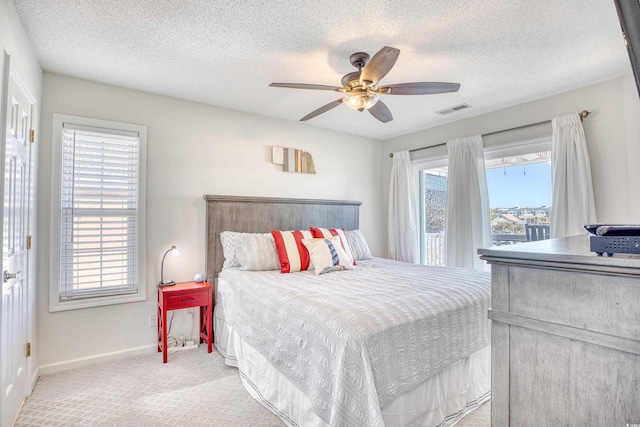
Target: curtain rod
[583, 114]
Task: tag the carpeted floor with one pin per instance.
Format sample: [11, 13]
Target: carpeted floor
[194, 389]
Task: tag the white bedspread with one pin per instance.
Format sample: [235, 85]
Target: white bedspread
[354, 340]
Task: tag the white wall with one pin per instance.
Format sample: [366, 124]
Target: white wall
[14, 41]
[612, 133]
[193, 150]
[632, 133]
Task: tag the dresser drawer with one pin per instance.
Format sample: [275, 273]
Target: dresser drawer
[187, 300]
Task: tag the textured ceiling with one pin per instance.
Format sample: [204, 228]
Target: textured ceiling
[225, 53]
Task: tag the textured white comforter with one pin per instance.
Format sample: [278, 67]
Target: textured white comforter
[354, 340]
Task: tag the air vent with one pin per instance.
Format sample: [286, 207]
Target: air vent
[453, 109]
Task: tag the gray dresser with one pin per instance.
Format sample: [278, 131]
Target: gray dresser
[565, 335]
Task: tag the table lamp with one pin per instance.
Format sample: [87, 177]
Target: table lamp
[174, 253]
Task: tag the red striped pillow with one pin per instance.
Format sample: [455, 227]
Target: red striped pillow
[329, 232]
[293, 255]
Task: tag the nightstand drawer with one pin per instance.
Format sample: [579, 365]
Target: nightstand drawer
[191, 299]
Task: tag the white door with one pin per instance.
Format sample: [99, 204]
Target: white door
[14, 239]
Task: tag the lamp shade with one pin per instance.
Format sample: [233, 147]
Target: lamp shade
[361, 100]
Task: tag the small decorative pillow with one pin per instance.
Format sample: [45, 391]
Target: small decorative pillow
[229, 245]
[358, 245]
[257, 252]
[327, 255]
[293, 255]
[330, 232]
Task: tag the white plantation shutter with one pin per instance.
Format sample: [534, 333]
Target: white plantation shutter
[99, 212]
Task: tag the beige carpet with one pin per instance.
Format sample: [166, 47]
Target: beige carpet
[194, 389]
[481, 417]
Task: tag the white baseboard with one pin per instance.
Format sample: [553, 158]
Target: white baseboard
[99, 358]
[34, 380]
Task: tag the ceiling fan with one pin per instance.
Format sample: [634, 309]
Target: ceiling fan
[361, 88]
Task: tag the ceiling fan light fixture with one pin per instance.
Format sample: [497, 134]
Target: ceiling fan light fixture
[361, 100]
[362, 88]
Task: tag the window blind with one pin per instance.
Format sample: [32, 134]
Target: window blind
[99, 212]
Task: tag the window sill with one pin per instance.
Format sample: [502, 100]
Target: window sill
[57, 305]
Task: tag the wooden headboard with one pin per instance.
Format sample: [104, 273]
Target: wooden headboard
[263, 214]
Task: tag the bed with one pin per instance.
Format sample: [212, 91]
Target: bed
[386, 343]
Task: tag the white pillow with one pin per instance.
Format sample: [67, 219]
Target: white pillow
[327, 255]
[329, 232]
[228, 240]
[257, 252]
[358, 245]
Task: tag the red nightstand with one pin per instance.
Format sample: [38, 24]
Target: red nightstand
[185, 295]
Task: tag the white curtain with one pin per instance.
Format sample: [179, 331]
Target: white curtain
[467, 226]
[404, 229]
[572, 195]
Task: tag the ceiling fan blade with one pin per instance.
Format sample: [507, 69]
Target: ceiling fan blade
[379, 65]
[322, 109]
[419, 88]
[305, 86]
[381, 112]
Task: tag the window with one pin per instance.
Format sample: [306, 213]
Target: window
[520, 197]
[519, 184]
[98, 213]
[434, 192]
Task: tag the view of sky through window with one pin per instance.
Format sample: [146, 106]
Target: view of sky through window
[525, 186]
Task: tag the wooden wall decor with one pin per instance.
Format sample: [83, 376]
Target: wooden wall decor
[292, 160]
